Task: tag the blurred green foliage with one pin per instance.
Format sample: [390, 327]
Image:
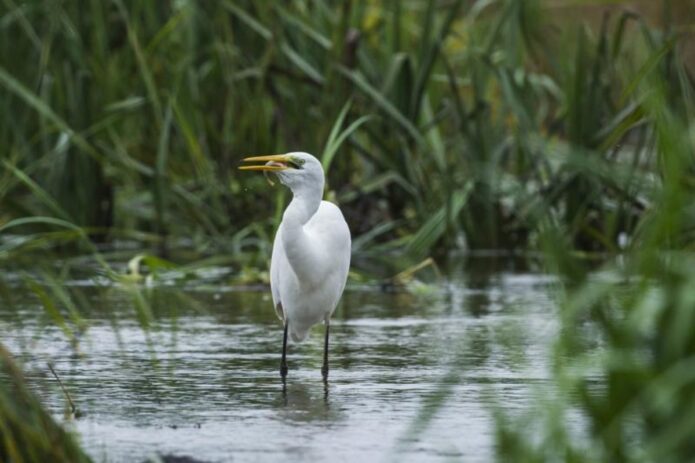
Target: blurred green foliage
[443, 124]
[28, 434]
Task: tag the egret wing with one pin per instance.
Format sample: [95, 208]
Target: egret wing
[277, 261]
[330, 230]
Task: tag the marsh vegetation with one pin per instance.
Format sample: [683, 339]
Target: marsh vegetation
[557, 131]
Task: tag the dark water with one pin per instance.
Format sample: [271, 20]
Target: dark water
[414, 377]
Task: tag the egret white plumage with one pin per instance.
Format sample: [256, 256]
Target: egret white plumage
[311, 251]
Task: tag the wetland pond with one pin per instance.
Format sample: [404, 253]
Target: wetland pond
[414, 377]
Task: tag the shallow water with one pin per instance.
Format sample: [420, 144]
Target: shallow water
[413, 377]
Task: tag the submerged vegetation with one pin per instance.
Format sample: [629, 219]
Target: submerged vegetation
[442, 125]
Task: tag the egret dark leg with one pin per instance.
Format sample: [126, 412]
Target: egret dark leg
[283, 362]
[324, 368]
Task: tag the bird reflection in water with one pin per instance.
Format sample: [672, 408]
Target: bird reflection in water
[306, 402]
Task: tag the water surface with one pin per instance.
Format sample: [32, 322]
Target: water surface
[413, 377]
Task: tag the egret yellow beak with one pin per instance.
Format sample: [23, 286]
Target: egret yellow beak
[275, 162]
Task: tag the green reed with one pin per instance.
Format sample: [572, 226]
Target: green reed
[624, 353]
[28, 433]
[463, 122]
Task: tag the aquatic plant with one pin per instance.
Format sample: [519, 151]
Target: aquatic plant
[624, 357]
[28, 434]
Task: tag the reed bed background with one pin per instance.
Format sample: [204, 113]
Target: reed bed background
[442, 125]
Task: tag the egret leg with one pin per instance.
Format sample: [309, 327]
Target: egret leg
[283, 362]
[324, 368]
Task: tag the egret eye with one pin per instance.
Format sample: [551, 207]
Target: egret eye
[296, 163]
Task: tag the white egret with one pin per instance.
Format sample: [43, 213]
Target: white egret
[311, 252]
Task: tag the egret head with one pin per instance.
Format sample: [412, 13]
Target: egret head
[298, 171]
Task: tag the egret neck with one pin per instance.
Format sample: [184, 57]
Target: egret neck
[299, 246]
